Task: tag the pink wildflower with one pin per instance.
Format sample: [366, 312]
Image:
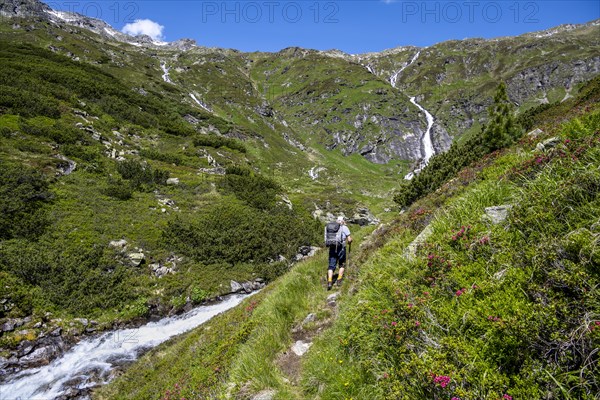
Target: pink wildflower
[441, 380]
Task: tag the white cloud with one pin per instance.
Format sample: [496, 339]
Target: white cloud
[144, 27]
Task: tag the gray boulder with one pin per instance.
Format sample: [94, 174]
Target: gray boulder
[267, 394]
[136, 259]
[497, 214]
[118, 244]
[363, 217]
[40, 356]
[8, 326]
[411, 250]
[535, 133]
[247, 287]
[548, 144]
[300, 348]
[235, 287]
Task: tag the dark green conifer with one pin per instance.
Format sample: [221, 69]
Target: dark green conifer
[501, 129]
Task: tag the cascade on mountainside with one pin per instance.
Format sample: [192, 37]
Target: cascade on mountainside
[427, 143]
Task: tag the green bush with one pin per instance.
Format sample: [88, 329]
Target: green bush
[216, 142]
[198, 295]
[257, 191]
[23, 198]
[57, 79]
[234, 233]
[58, 131]
[141, 174]
[160, 156]
[119, 189]
[79, 280]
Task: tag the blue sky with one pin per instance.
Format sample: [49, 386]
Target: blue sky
[352, 26]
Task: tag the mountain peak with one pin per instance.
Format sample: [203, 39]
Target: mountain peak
[23, 8]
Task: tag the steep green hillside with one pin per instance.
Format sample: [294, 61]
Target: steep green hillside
[455, 80]
[478, 308]
[86, 162]
[137, 179]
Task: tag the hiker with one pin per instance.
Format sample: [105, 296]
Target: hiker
[336, 235]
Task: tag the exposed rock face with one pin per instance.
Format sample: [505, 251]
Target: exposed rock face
[440, 138]
[452, 80]
[529, 82]
[183, 44]
[398, 138]
[31, 354]
[37, 9]
[23, 8]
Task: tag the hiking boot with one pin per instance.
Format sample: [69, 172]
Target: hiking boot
[339, 282]
[329, 285]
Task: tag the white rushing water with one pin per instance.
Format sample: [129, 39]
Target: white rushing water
[427, 143]
[200, 103]
[394, 78]
[165, 69]
[99, 356]
[314, 172]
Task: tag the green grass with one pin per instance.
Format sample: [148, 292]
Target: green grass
[407, 320]
[87, 278]
[254, 340]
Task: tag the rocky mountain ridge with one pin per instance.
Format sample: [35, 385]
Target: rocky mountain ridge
[348, 102]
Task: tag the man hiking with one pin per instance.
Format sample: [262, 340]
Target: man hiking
[336, 235]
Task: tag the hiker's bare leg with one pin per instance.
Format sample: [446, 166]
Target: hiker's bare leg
[341, 273]
[329, 275]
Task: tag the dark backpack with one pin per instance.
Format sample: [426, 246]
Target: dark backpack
[331, 234]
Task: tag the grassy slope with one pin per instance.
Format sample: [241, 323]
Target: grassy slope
[523, 323]
[84, 219]
[449, 73]
[511, 309]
